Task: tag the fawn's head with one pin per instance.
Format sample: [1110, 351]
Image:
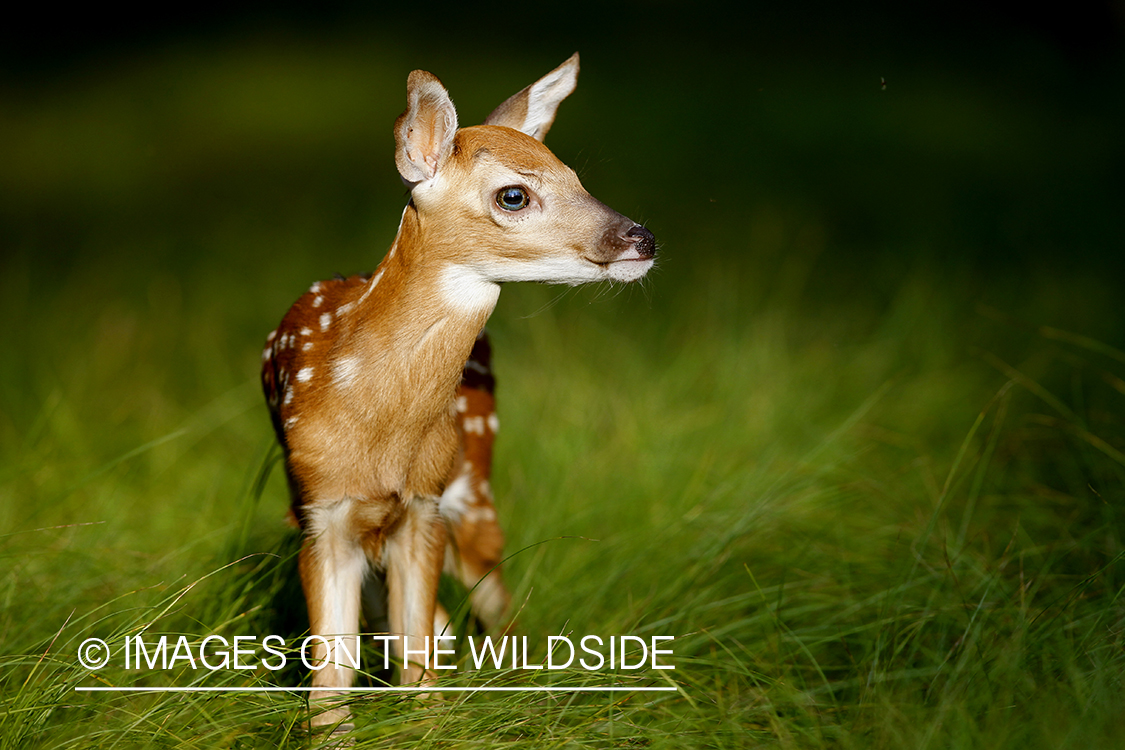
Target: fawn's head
[503, 207]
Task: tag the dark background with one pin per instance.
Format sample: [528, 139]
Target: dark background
[997, 140]
[758, 142]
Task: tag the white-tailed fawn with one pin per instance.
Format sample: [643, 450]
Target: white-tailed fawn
[380, 386]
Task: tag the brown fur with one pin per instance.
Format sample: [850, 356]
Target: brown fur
[380, 389]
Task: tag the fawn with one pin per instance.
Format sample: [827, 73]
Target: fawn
[379, 386]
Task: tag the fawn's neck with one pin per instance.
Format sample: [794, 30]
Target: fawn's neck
[417, 319]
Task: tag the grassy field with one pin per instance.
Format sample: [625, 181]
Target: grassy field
[858, 443]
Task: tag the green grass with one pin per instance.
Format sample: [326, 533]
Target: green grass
[880, 502]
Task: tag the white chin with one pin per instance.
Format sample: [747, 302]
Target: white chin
[628, 270]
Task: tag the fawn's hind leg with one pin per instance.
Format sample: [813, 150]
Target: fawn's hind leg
[476, 540]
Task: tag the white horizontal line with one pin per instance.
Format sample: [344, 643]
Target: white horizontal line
[272, 689]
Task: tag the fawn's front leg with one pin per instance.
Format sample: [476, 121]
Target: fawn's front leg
[414, 551]
[332, 564]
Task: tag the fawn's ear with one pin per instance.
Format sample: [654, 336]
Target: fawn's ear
[424, 132]
[533, 110]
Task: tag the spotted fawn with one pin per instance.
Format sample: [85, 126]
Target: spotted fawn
[380, 387]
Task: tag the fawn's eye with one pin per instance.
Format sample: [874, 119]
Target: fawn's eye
[512, 198]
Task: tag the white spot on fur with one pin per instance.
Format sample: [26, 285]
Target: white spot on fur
[317, 302]
[474, 425]
[304, 374]
[345, 308]
[462, 404]
[494, 422]
[288, 396]
[345, 370]
[467, 290]
[308, 345]
[455, 501]
[270, 338]
[460, 502]
[266, 354]
[325, 321]
[315, 288]
[290, 422]
[306, 332]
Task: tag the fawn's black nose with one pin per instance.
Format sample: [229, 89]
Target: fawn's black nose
[642, 240]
